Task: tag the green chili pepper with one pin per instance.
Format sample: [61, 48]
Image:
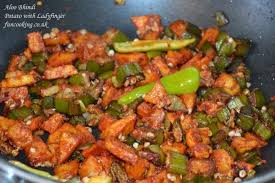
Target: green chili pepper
[242, 48]
[156, 149]
[241, 82]
[245, 122]
[261, 130]
[152, 45]
[177, 163]
[153, 54]
[181, 82]
[257, 98]
[32, 170]
[168, 32]
[221, 19]
[20, 113]
[48, 102]
[61, 105]
[92, 66]
[41, 67]
[77, 79]
[119, 37]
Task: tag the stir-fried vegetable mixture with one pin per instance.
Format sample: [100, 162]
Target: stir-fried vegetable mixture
[174, 105]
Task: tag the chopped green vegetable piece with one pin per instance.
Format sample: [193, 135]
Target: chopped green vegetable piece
[74, 108]
[227, 48]
[105, 75]
[177, 163]
[36, 109]
[252, 157]
[61, 105]
[32, 170]
[244, 99]
[78, 120]
[245, 122]
[124, 71]
[183, 81]
[202, 119]
[120, 37]
[20, 113]
[219, 137]
[224, 115]
[43, 84]
[193, 29]
[114, 109]
[175, 103]
[28, 66]
[168, 32]
[242, 48]
[206, 47]
[261, 130]
[160, 137]
[87, 99]
[223, 36]
[257, 98]
[235, 103]
[77, 79]
[241, 82]
[221, 63]
[156, 149]
[109, 66]
[221, 19]
[48, 102]
[51, 90]
[92, 66]
[224, 145]
[37, 58]
[213, 127]
[153, 54]
[130, 140]
[152, 45]
[41, 67]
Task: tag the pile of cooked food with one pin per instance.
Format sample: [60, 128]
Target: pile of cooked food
[173, 105]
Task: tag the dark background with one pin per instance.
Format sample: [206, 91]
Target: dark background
[252, 19]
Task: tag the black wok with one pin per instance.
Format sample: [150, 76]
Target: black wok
[253, 19]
